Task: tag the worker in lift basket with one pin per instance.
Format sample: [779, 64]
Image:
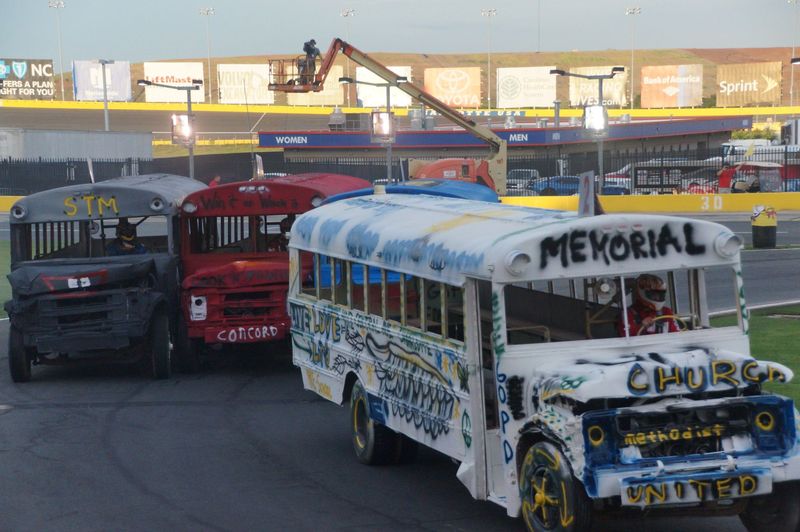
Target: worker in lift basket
[307, 66]
[649, 296]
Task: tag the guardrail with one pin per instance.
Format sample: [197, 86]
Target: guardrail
[684, 203]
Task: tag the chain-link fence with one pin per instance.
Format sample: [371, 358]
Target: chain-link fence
[775, 168]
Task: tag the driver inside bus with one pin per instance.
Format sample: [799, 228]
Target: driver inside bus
[126, 242]
[648, 314]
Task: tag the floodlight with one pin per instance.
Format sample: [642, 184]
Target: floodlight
[382, 127]
[182, 132]
[595, 120]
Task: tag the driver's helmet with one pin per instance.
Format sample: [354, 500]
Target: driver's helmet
[651, 291]
[126, 231]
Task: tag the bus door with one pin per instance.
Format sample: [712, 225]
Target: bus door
[486, 438]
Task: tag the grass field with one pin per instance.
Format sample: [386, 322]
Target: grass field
[775, 339]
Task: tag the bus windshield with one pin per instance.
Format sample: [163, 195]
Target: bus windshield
[90, 238]
[618, 307]
[239, 234]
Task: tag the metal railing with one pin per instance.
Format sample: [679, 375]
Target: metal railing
[548, 173]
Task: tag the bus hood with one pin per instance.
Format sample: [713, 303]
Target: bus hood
[651, 375]
[238, 274]
[57, 275]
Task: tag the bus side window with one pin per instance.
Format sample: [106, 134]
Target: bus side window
[434, 296]
[308, 273]
[454, 304]
[412, 301]
[341, 282]
[392, 295]
[357, 283]
[374, 290]
[324, 279]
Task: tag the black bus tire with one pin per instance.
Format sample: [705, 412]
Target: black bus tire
[777, 512]
[160, 356]
[373, 443]
[552, 498]
[19, 360]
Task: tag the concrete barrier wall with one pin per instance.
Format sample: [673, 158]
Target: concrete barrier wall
[683, 203]
[7, 201]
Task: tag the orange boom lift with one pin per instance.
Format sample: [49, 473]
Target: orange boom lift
[295, 75]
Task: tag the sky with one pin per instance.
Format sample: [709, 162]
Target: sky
[138, 30]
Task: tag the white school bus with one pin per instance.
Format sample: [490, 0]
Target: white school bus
[508, 339]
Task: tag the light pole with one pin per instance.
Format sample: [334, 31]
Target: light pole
[489, 14]
[103, 63]
[794, 43]
[196, 83]
[57, 5]
[208, 12]
[598, 131]
[632, 11]
[400, 79]
[347, 14]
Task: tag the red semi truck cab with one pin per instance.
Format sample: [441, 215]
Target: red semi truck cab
[235, 262]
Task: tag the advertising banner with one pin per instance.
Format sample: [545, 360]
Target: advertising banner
[177, 75]
[748, 84]
[672, 86]
[331, 94]
[88, 85]
[457, 87]
[525, 87]
[583, 92]
[244, 84]
[369, 96]
[27, 79]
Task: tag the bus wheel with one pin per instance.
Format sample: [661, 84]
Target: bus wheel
[552, 499]
[160, 357]
[188, 350]
[19, 360]
[373, 443]
[777, 512]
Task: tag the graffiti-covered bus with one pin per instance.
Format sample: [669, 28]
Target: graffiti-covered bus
[235, 261]
[568, 364]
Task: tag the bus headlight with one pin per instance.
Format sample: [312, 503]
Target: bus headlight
[198, 309]
[516, 262]
[765, 421]
[18, 212]
[156, 204]
[189, 207]
[727, 245]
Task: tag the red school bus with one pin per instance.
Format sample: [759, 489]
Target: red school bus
[235, 262]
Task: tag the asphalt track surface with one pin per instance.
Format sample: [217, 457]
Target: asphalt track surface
[239, 446]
